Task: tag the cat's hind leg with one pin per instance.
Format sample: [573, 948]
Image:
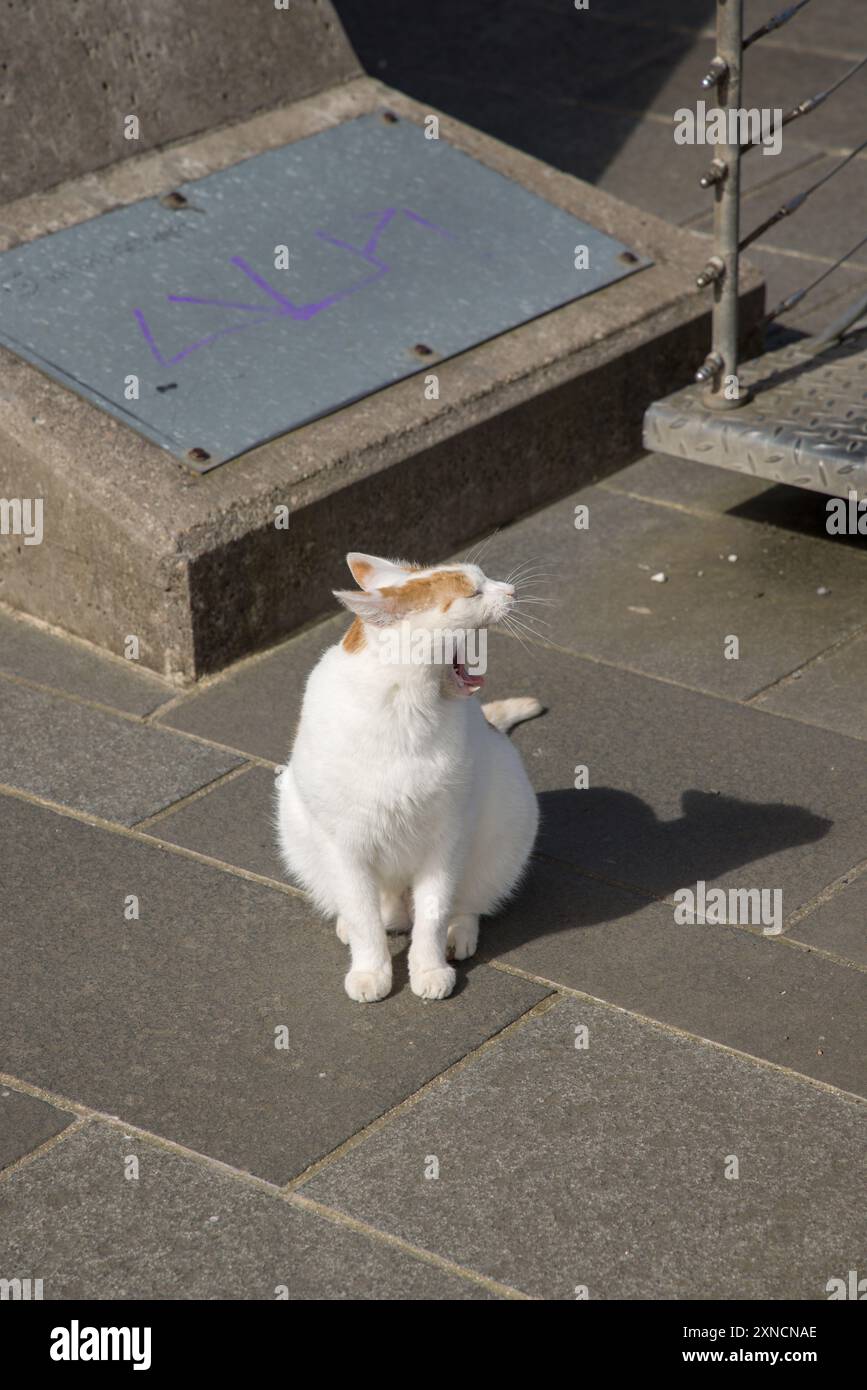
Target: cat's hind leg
[499, 850]
[463, 936]
[394, 908]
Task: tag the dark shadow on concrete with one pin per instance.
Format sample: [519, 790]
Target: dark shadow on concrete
[794, 509]
[400, 967]
[614, 836]
[523, 70]
[778, 335]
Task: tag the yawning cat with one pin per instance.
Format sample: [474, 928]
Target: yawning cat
[403, 793]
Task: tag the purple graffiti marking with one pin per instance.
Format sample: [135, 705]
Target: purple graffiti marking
[203, 342]
[424, 222]
[283, 307]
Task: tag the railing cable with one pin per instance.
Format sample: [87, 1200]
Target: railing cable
[805, 107]
[776, 21]
[799, 199]
[791, 300]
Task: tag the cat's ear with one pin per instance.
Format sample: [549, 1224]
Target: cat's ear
[370, 608]
[370, 572]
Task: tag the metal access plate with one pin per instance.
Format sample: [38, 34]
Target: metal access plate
[398, 251]
[806, 423]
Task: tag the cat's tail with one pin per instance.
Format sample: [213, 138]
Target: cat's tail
[505, 714]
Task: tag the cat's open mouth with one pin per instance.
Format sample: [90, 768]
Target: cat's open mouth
[466, 682]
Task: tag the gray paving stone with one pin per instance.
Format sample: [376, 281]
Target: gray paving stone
[97, 762]
[169, 1020]
[839, 925]
[232, 823]
[25, 1123]
[609, 607]
[181, 1230]
[604, 1167]
[255, 708]
[700, 487]
[716, 981]
[41, 656]
[661, 478]
[832, 692]
[776, 77]
[682, 786]
[798, 1009]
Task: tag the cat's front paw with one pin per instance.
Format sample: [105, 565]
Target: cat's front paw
[433, 984]
[366, 986]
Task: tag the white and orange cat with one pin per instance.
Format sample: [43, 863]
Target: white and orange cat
[403, 798]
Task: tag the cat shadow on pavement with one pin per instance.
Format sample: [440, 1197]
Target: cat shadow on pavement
[603, 833]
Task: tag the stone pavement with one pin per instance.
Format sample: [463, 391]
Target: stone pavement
[573, 1117]
[568, 1118]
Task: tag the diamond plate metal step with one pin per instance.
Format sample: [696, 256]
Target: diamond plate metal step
[805, 425]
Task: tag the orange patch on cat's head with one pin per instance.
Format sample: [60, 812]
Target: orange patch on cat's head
[429, 591]
[354, 639]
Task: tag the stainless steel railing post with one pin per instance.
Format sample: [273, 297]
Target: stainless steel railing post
[722, 392]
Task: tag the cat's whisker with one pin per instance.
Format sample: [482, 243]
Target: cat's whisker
[533, 577]
[531, 632]
[535, 590]
[478, 550]
[531, 598]
[531, 617]
[518, 607]
[507, 624]
[523, 572]
[520, 569]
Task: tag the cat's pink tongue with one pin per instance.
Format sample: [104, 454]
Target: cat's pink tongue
[469, 683]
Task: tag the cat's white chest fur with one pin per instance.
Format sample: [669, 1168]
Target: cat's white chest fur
[381, 762]
[401, 799]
